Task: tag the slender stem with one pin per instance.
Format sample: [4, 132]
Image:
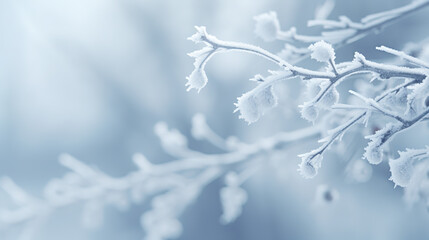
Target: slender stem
[333, 66]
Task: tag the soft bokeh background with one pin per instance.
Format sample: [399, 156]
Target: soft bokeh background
[91, 78]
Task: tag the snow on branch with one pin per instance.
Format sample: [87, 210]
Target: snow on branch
[169, 187]
[322, 84]
[395, 98]
[337, 32]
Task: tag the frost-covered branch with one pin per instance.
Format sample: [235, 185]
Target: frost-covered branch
[170, 187]
[321, 51]
[337, 32]
[339, 131]
[405, 56]
[322, 84]
[390, 98]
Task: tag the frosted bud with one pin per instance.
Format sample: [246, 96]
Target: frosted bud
[310, 165]
[267, 26]
[358, 57]
[253, 104]
[313, 86]
[173, 137]
[309, 112]
[374, 154]
[172, 140]
[248, 107]
[401, 170]
[232, 199]
[374, 150]
[307, 170]
[330, 98]
[266, 98]
[322, 51]
[198, 78]
[199, 126]
[427, 101]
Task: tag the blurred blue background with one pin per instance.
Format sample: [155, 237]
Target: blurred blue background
[91, 78]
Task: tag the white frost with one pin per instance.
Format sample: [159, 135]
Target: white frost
[253, 104]
[322, 51]
[310, 164]
[309, 112]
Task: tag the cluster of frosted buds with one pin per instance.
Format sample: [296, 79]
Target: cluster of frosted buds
[253, 104]
[322, 52]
